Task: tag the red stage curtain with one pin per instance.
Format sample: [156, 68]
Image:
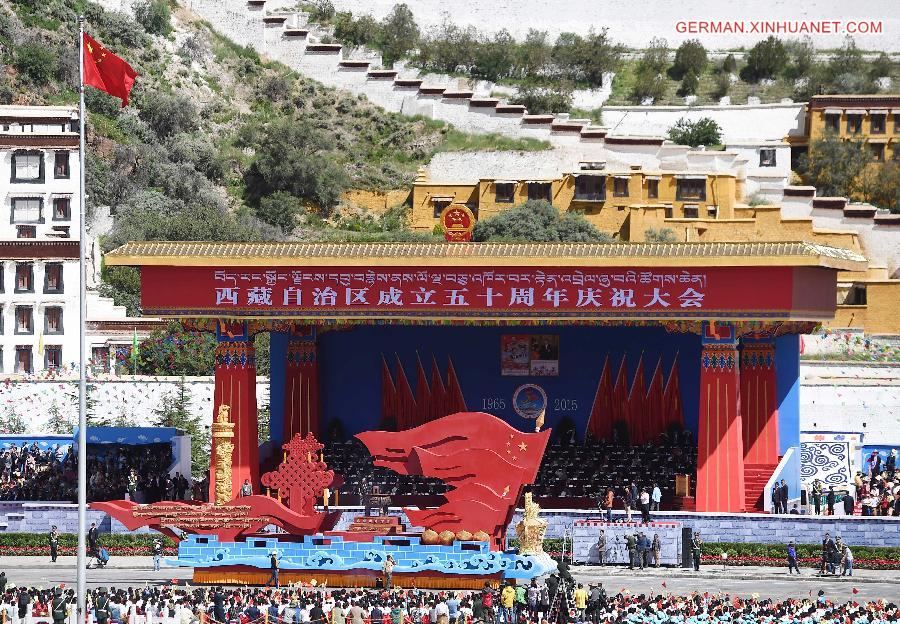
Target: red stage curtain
[600, 423]
[636, 408]
[619, 401]
[674, 413]
[655, 417]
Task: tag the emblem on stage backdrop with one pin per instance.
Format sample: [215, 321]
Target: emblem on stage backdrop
[457, 222]
[529, 401]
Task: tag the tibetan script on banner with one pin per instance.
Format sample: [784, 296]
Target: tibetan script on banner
[448, 291]
[482, 289]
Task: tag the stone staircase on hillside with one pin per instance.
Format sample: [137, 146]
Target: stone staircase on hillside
[281, 37]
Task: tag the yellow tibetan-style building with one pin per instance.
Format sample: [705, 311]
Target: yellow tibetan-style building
[871, 119]
[632, 200]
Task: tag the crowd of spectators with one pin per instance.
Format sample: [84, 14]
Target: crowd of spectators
[875, 492]
[140, 472]
[522, 604]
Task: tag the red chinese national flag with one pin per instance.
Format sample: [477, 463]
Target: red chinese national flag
[106, 71]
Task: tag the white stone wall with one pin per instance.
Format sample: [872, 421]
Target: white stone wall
[851, 398]
[134, 399]
[739, 123]
[634, 23]
[766, 182]
[880, 242]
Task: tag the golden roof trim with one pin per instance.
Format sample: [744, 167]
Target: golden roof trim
[171, 253]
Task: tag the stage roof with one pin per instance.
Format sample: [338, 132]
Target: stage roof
[170, 253]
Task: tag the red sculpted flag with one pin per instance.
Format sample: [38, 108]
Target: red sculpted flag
[106, 71]
[484, 460]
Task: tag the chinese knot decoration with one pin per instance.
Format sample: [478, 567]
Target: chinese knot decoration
[302, 476]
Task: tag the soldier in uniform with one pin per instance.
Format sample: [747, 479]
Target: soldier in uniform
[631, 544]
[696, 546]
[101, 607]
[58, 606]
[54, 543]
[92, 536]
[601, 547]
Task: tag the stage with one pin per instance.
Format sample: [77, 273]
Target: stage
[623, 343]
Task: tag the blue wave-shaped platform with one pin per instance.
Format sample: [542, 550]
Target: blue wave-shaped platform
[332, 553]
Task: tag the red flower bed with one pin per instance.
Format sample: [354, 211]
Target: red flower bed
[815, 562]
[121, 551]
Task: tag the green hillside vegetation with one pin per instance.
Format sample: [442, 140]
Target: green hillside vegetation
[218, 143]
[547, 70]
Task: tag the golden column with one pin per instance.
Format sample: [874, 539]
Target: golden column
[222, 435]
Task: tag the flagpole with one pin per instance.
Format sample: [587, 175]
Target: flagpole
[82, 360]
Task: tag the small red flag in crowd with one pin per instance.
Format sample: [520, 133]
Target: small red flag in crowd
[106, 71]
[855, 591]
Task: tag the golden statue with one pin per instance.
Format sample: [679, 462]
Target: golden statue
[530, 530]
[222, 434]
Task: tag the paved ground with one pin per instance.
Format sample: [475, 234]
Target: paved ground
[741, 581]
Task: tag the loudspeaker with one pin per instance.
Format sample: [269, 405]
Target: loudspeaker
[803, 501]
[687, 535]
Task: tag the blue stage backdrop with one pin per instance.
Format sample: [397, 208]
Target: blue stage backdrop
[350, 365]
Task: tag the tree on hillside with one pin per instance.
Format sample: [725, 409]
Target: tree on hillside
[320, 11]
[538, 221]
[175, 411]
[154, 16]
[655, 56]
[649, 79]
[533, 54]
[292, 156]
[495, 58]
[355, 31]
[280, 209]
[36, 62]
[397, 35]
[586, 59]
[801, 58]
[689, 57]
[766, 59]
[833, 166]
[881, 66]
[544, 99]
[729, 64]
[879, 184]
[704, 131]
[689, 84]
[168, 113]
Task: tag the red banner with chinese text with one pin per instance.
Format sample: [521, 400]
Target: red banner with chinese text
[450, 292]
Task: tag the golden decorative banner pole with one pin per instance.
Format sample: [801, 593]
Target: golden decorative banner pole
[531, 529]
[222, 435]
